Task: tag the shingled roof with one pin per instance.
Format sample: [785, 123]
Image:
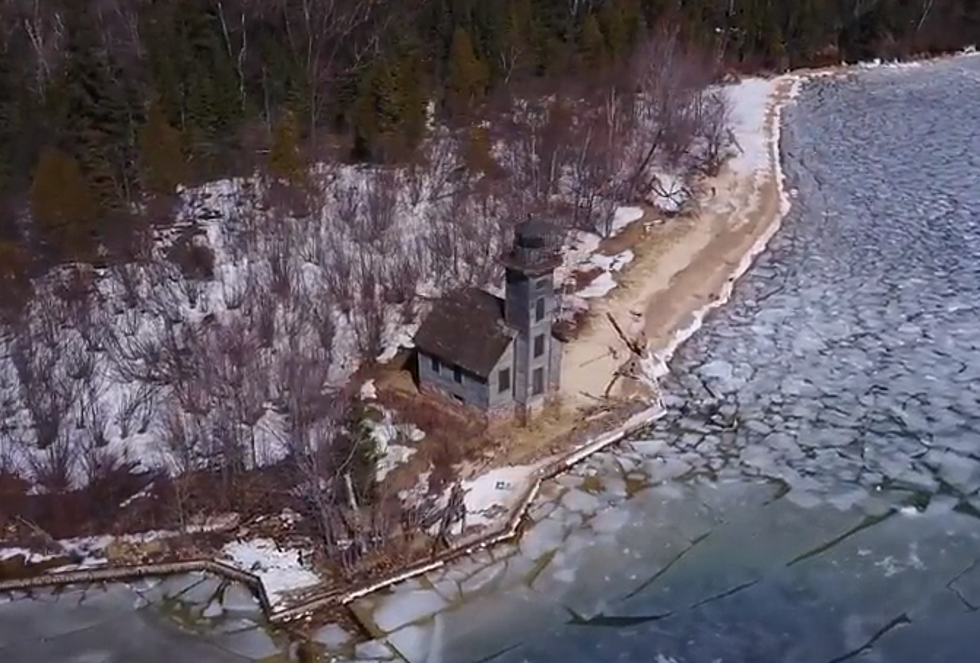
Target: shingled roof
[466, 329]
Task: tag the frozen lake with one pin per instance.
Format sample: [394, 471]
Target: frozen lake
[191, 617]
[845, 374]
[814, 495]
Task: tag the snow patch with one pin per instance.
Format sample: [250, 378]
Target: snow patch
[385, 434]
[495, 493]
[281, 571]
[600, 286]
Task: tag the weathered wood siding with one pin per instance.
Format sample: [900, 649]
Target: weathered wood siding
[501, 399]
[472, 389]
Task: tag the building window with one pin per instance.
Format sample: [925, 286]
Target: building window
[457, 374]
[539, 310]
[541, 284]
[435, 364]
[539, 345]
[503, 380]
[537, 387]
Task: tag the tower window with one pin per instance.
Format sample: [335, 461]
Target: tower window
[503, 380]
[537, 378]
[539, 310]
[539, 345]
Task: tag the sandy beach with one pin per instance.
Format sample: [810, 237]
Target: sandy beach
[682, 267]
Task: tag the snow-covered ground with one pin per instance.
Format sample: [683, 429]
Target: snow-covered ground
[281, 571]
[96, 550]
[164, 367]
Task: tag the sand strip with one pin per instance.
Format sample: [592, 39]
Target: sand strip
[683, 268]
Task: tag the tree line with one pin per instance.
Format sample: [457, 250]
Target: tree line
[105, 105]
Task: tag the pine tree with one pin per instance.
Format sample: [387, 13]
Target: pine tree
[415, 95]
[614, 26]
[380, 110]
[592, 45]
[96, 115]
[162, 162]
[63, 207]
[7, 119]
[194, 76]
[468, 75]
[284, 158]
[516, 42]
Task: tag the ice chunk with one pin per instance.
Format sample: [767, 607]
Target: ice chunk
[201, 593]
[957, 471]
[611, 520]
[213, 610]
[413, 643]
[332, 636]
[254, 644]
[402, 608]
[239, 599]
[542, 537]
[173, 586]
[484, 579]
[665, 469]
[580, 501]
[374, 650]
[480, 629]
[233, 625]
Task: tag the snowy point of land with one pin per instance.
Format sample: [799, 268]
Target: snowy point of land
[134, 428]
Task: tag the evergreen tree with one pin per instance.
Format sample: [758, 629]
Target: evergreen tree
[517, 39]
[592, 45]
[162, 162]
[389, 115]
[615, 29]
[468, 77]
[284, 158]
[63, 207]
[95, 113]
[7, 120]
[195, 77]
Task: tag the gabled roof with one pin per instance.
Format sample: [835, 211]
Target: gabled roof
[466, 329]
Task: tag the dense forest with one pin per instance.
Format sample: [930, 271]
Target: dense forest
[103, 102]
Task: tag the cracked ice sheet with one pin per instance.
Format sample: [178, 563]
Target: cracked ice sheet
[479, 629]
[815, 611]
[57, 629]
[730, 558]
[393, 611]
[593, 570]
[902, 565]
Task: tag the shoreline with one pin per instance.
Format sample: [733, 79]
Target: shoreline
[613, 426]
[725, 276]
[663, 297]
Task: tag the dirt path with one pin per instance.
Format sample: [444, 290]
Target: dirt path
[680, 267]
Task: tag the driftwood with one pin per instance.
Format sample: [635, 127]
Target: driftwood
[51, 545]
[637, 348]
